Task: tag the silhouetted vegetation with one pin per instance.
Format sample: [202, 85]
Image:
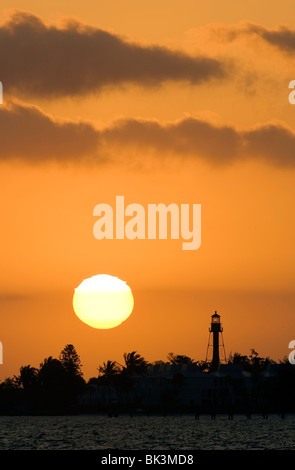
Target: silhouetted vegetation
[52, 388]
[178, 359]
[134, 364]
[252, 363]
[58, 385]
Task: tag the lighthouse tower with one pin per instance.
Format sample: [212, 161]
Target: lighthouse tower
[215, 342]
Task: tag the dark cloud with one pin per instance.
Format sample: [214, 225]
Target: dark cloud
[282, 37]
[30, 135]
[218, 145]
[50, 61]
[12, 296]
[274, 143]
[188, 137]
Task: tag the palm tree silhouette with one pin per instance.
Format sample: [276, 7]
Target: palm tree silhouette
[179, 359]
[109, 369]
[135, 363]
[28, 383]
[108, 373]
[27, 377]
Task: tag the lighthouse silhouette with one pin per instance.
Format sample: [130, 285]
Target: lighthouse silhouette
[215, 342]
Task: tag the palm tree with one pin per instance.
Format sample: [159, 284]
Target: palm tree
[109, 372]
[27, 377]
[178, 359]
[51, 373]
[237, 358]
[28, 383]
[135, 363]
[252, 363]
[109, 369]
[52, 377]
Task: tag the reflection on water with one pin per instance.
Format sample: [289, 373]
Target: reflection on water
[88, 432]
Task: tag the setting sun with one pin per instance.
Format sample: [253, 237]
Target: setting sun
[103, 301]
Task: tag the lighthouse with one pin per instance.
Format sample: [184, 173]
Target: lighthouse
[215, 341]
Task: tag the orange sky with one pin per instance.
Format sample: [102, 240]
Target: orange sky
[93, 109]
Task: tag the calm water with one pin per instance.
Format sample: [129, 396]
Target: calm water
[146, 433]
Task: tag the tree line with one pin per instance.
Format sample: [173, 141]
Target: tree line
[55, 385]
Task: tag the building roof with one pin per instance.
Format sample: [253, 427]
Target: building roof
[169, 370]
[231, 370]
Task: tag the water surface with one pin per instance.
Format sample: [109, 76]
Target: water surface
[96, 432]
